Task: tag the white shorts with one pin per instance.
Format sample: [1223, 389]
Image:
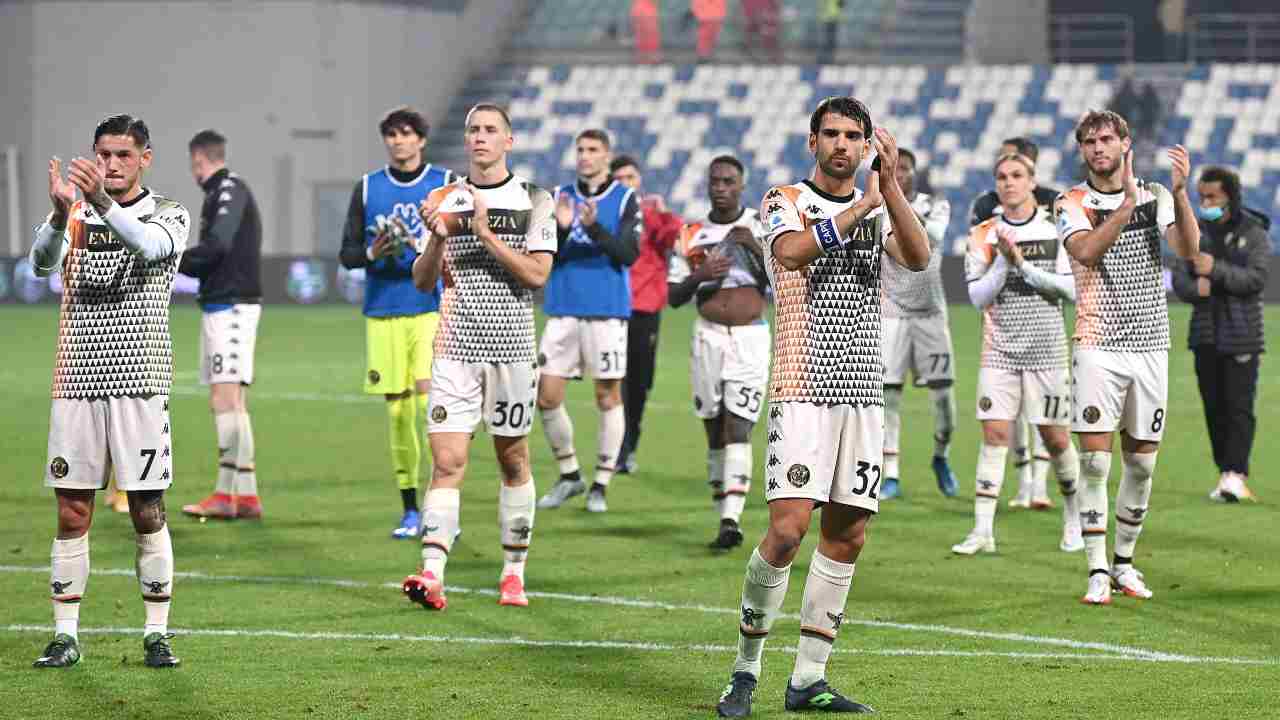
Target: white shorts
[1042, 397]
[595, 346]
[1120, 391]
[919, 344]
[730, 369]
[825, 453]
[88, 437]
[227, 341]
[464, 393]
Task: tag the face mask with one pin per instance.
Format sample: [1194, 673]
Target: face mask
[1212, 214]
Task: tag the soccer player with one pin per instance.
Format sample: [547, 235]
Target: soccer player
[227, 262]
[648, 296]
[382, 231]
[118, 250]
[1030, 458]
[1111, 226]
[826, 417]
[1018, 276]
[588, 301]
[718, 264]
[917, 337]
[492, 238]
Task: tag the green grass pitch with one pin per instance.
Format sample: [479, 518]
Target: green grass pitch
[298, 616]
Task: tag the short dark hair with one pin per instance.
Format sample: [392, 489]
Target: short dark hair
[1098, 119]
[1023, 146]
[729, 160]
[905, 153]
[489, 107]
[404, 117]
[1230, 185]
[622, 161]
[210, 143]
[841, 105]
[593, 134]
[123, 124]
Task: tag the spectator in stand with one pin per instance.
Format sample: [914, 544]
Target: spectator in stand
[1173, 21]
[1148, 112]
[710, 15]
[658, 235]
[647, 28]
[1125, 101]
[829, 12]
[761, 30]
[1224, 283]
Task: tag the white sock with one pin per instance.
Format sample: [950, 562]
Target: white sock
[155, 576]
[1095, 465]
[986, 493]
[228, 427]
[825, 591]
[715, 477]
[558, 428]
[439, 525]
[613, 427]
[944, 420]
[515, 518]
[247, 473]
[892, 428]
[737, 480]
[1066, 467]
[68, 576]
[1132, 499]
[763, 590]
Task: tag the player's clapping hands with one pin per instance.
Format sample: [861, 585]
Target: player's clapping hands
[564, 211]
[480, 216]
[589, 213]
[1129, 180]
[1007, 244]
[89, 176]
[62, 193]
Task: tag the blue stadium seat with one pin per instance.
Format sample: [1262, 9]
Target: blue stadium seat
[675, 118]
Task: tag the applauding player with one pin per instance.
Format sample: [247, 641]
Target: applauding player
[118, 251]
[492, 239]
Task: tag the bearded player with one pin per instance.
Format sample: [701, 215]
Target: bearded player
[826, 409]
[1112, 226]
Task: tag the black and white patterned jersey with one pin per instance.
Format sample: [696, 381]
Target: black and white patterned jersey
[486, 315]
[698, 240]
[113, 335]
[919, 294]
[1022, 329]
[826, 343]
[1120, 303]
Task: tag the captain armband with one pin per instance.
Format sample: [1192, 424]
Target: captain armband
[828, 237]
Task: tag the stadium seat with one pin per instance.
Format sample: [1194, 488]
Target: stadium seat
[675, 118]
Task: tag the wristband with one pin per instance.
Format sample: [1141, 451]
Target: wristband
[828, 237]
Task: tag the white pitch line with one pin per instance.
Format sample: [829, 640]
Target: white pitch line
[625, 645]
[1138, 653]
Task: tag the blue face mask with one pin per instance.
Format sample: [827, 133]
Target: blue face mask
[1212, 214]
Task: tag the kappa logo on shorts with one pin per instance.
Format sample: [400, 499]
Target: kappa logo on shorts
[59, 467]
[798, 475]
[984, 404]
[438, 414]
[697, 403]
[374, 377]
[542, 360]
[1092, 414]
[775, 412]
